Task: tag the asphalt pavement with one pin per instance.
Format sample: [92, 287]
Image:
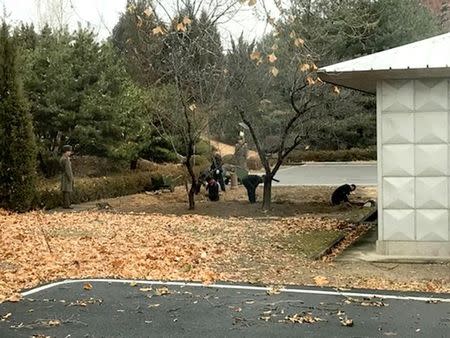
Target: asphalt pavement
[328, 174]
[152, 309]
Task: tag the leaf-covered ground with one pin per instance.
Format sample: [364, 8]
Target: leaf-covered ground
[39, 247]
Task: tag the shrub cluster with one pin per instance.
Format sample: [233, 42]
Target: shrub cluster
[346, 155]
[90, 189]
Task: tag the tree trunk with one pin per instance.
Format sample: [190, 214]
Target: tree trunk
[191, 193]
[267, 197]
[191, 196]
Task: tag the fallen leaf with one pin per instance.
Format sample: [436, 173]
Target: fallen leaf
[17, 297]
[265, 318]
[153, 305]
[321, 280]
[87, 286]
[133, 284]
[303, 318]
[346, 322]
[54, 322]
[274, 290]
[193, 107]
[5, 317]
[252, 2]
[145, 289]
[336, 90]
[162, 291]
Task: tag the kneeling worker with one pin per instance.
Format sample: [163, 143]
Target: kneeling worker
[213, 189]
[340, 195]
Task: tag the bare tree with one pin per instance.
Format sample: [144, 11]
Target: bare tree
[55, 13]
[259, 73]
[187, 61]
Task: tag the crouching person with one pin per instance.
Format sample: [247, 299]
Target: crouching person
[213, 189]
[250, 183]
[340, 195]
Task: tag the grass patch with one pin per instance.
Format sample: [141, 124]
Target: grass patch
[310, 244]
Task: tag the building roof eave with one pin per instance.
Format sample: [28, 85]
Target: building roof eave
[366, 81]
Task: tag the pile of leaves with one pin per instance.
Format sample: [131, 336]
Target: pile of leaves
[40, 247]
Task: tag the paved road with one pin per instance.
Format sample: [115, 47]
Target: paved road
[328, 174]
[122, 310]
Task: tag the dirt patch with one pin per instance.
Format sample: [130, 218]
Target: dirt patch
[226, 149]
[287, 202]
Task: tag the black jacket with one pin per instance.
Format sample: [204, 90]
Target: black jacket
[341, 194]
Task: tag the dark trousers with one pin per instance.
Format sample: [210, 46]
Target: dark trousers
[251, 192]
[66, 199]
[219, 179]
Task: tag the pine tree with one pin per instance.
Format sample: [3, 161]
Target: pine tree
[17, 143]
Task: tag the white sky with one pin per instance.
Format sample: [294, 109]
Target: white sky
[102, 15]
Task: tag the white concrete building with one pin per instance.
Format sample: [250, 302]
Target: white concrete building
[412, 85]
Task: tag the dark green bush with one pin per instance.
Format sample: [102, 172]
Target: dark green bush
[89, 189]
[346, 155]
[203, 148]
[17, 141]
[159, 154]
[228, 159]
[48, 164]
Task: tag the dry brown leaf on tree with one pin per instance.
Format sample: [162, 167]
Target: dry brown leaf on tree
[158, 30]
[274, 71]
[272, 58]
[255, 55]
[187, 20]
[299, 42]
[148, 11]
[304, 67]
[181, 27]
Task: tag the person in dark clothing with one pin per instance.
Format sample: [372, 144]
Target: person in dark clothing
[66, 176]
[250, 183]
[202, 178]
[217, 170]
[213, 189]
[340, 195]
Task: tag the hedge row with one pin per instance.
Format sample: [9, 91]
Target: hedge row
[354, 154]
[90, 189]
